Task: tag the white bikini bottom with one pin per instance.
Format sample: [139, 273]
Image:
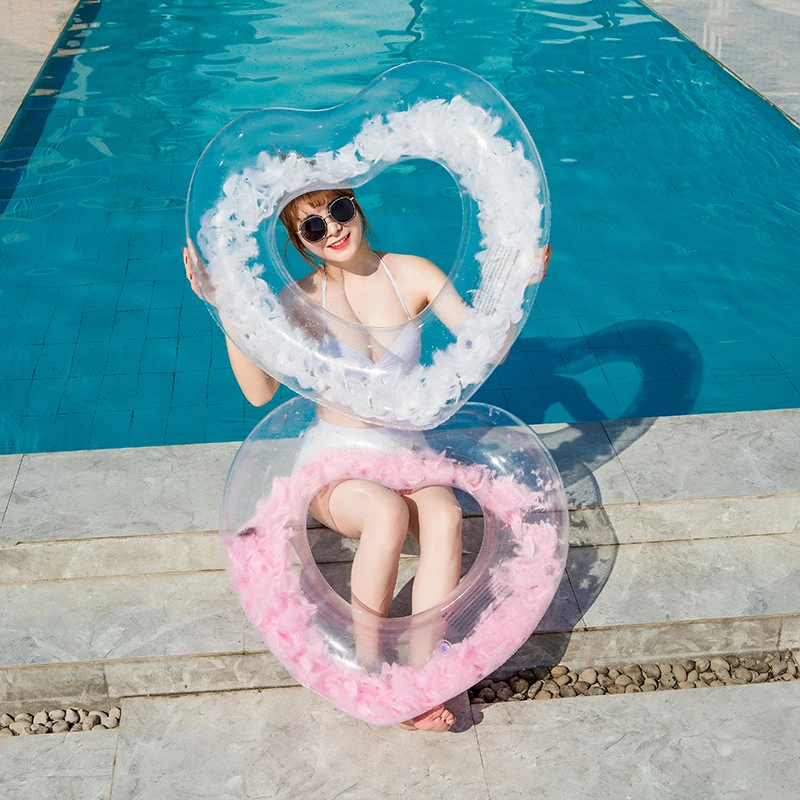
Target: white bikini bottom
[322, 435]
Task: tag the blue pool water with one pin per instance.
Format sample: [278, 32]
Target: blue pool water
[676, 211]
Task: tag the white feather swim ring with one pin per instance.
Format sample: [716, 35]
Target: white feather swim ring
[314, 632]
[423, 110]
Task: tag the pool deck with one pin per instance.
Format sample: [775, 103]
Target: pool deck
[685, 542]
[756, 40]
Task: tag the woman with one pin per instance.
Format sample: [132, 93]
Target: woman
[377, 290]
[384, 292]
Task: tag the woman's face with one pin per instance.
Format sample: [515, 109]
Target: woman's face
[341, 241]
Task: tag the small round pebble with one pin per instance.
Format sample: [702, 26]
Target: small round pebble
[20, 728]
[552, 687]
[588, 676]
[668, 681]
[652, 671]
[534, 689]
[742, 674]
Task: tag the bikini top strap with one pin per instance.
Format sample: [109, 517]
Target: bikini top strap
[396, 287]
[324, 302]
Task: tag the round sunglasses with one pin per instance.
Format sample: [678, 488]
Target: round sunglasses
[314, 228]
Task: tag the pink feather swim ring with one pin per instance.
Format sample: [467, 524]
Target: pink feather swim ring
[498, 467]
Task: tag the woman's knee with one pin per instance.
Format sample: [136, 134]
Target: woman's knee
[388, 516]
[357, 505]
[440, 526]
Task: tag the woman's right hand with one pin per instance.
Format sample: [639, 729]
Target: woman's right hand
[196, 269]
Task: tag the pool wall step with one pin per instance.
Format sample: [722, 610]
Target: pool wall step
[685, 541]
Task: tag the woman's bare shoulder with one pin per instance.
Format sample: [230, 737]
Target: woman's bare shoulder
[404, 265]
[311, 284]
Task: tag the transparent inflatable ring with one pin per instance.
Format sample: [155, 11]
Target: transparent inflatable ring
[315, 633]
[423, 110]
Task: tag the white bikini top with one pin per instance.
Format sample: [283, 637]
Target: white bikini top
[405, 352]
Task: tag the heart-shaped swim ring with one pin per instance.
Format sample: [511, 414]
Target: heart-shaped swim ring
[314, 632]
[423, 110]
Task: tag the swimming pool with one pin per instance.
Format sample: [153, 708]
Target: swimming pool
[676, 211]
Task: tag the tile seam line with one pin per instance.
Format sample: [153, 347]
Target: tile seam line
[11, 493]
[480, 753]
[667, 501]
[747, 537]
[721, 64]
[125, 537]
[89, 540]
[582, 621]
[616, 453]
[194, 571]
[136, 575]
[143, 660]
[778, 616]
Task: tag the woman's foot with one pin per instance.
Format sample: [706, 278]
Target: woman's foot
[438, 719]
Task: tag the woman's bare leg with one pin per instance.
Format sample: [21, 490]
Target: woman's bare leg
[379, 518]
[436, 521]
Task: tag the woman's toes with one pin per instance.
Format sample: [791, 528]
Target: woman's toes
[438, 719]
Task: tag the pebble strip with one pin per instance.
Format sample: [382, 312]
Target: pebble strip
[59, 720]
[547, 683]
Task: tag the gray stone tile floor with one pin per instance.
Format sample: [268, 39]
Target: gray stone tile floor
[757, 40]
[28, 29]
[718, 744]
[137, 606]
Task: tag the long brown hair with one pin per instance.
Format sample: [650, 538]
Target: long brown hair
[290, 216]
